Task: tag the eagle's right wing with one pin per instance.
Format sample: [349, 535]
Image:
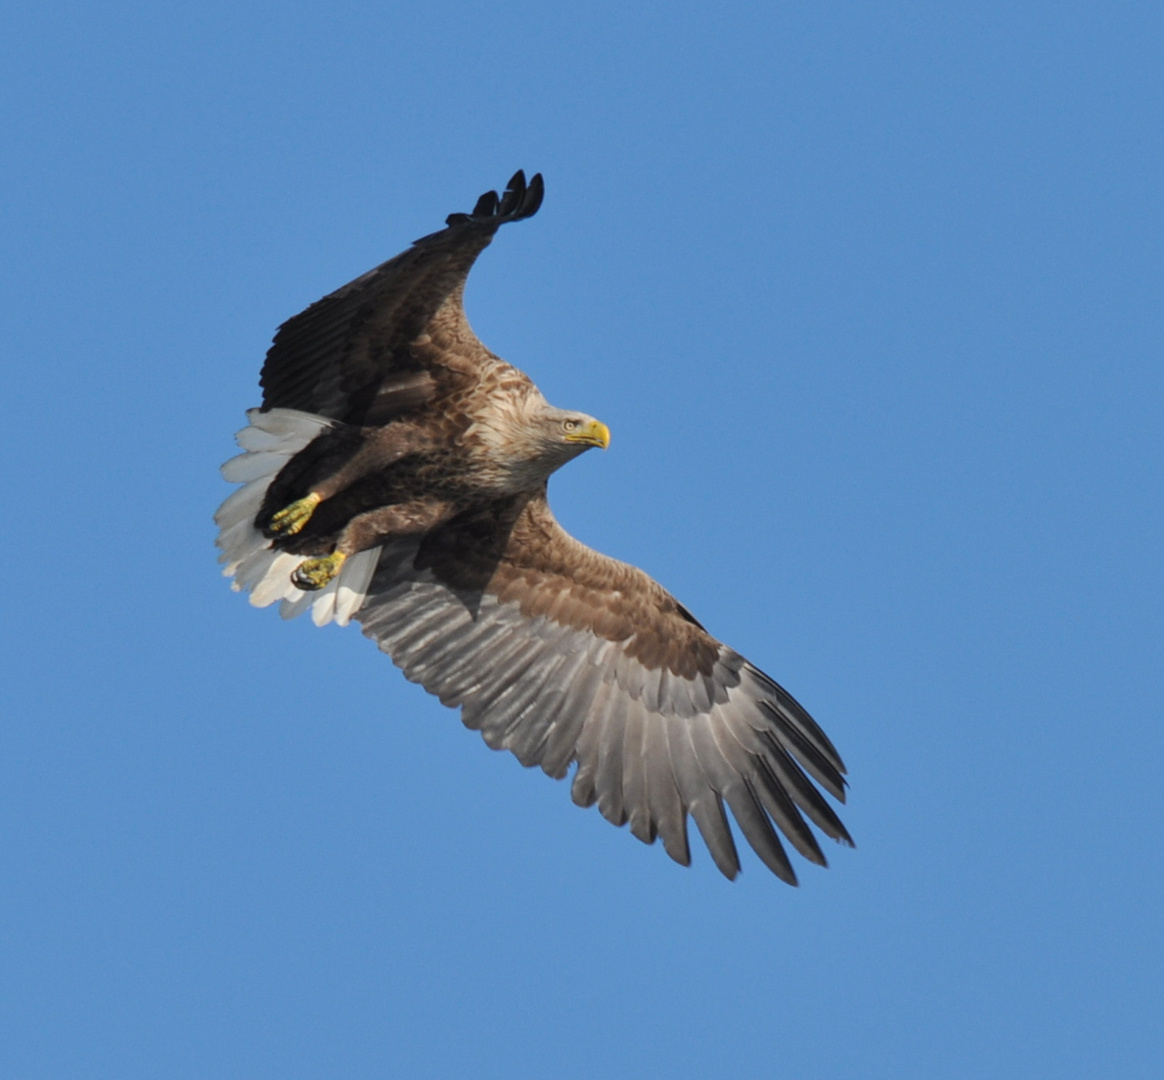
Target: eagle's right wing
[350, 356]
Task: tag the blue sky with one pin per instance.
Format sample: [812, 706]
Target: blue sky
[869, 296]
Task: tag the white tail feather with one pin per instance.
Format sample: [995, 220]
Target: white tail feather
[269, 442]
[252, 466]
[292, 609]
[353, 584]
[243, 504]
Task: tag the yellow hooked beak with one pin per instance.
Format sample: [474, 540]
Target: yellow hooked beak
[595, 433]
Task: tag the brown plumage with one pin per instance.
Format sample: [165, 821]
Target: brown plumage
[396, 473]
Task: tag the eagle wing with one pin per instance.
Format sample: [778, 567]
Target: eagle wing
[350, 356]
[560, 654]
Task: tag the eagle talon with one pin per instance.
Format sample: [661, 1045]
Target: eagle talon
[313, 574]
[289, 520]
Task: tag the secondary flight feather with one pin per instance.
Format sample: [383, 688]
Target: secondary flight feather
[396, 474]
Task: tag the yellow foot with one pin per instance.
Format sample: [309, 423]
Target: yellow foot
[289, 520]
[312, 574]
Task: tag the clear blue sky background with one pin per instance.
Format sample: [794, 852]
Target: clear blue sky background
[869, 295]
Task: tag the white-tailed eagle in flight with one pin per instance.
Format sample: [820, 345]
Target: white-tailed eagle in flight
[396, 474]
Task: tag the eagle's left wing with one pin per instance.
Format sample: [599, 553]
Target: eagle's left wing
[559, 654]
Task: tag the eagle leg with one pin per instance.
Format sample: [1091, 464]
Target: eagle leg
[313, 574]
[292, 518]
[365, 531]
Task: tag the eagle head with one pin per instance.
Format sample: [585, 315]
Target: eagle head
[524, 441]
[559, 435]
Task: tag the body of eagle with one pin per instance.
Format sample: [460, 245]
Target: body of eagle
[396, 474]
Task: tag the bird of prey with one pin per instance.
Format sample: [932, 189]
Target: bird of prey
[396, 474]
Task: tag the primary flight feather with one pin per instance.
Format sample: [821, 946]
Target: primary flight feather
[396, 474]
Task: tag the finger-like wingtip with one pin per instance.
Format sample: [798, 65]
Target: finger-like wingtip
[533, 196]
[514, 195]
[486, 205]
[520, 200]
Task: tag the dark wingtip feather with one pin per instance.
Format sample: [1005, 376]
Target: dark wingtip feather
[758, 831]
[519, 200]
[799, 716]
[486, 205]
[514, 195]
[534, 195]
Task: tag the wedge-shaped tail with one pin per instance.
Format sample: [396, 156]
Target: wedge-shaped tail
[268, 443]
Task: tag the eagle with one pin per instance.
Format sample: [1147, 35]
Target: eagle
[396, 474]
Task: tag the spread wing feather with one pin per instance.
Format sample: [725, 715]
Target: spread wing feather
[349, 356]
[662, 720]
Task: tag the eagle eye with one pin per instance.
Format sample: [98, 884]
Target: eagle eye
[570, 425]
